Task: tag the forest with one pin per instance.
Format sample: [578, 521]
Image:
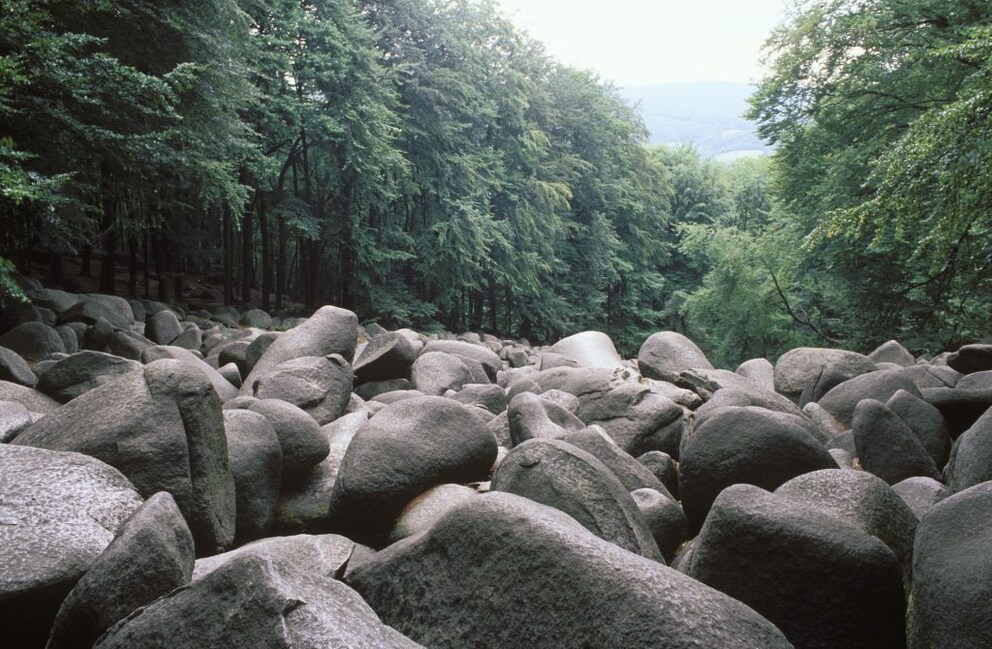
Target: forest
[424, 163]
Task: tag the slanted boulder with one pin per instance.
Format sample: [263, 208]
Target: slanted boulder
[435, 372]
[151, 556]
[320, 386]
[927, 424]
[589, 349]
[478, 354]
[59, 512]
[880, 385]
[14, 418]
[666, 354]
[887, 446]
[511, 549]
[532, 417]
[255, 459]
[970, 358]
[892, 352]
[971, 456]
[921, 493]
[303, 447]
[387, 356]
[797, 367]
[15, 369]
[73, 375]
[163, 429]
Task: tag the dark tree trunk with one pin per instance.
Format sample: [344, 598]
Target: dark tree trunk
[147, 256]
[132, 275]
[87, 261]
[55, 267]
[227, 235]
[281, 262]
[263, 229]
[247, 256]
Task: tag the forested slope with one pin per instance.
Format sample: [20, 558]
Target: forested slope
[423, 162]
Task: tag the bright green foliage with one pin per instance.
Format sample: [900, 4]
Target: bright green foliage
[881, 112]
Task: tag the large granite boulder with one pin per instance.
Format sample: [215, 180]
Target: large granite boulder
[797, 367]
[33, 341]
[887, 446]
[501, 571]
[163, 429]
[387, 356]
[971, 456]
[73, 375]
[320, 386]
[589, 349]
[666, 354]
[880, 385]
[255, 459]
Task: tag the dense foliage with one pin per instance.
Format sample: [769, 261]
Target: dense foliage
[424, 163]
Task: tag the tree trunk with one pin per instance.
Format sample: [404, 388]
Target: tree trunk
[228, 241]
[263, 229]
[132, 275]
[247, 256]
[281, 262]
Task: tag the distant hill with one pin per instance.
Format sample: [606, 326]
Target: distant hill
[706, 114]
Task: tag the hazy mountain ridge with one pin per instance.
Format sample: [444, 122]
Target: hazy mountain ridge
[706, 114]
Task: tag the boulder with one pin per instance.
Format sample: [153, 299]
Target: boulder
[821, 580]
[971, 456]
[478, 354]
[892, 352]
[666, 354]
[968, 359]
[33, 400]
[744, 445]
[225, 390]
[254, 601]
[881, 386]
[482, 395]
[480, 578]
[663, 467]
[92, 308]
[255, 458]
[631, 473]
[926, 422]
[387, 356]
[709, 381]
[328, 331]
[961, 408]
[15, 369]
[403, 451]
[921, 493]
[373, 389]
[887, 446]
[163, 327]
[59, 512]
[665, 519]
[952, 573]
[256, 319]
[797, 367]
[78, 373]
[567, 478]
[320, 386]
[307, 504]
[533, 417]
[759, 370]
[428, 508]
[589, 349]
[163, 429]
[324, 555]
[303, 447]
[434, 373]
[151, 556]
[33, 341]
[14, 418]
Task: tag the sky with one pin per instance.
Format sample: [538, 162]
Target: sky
[641, 42]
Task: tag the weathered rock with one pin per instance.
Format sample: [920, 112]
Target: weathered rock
[712, 380]
[428, 508]
[307, 504]
[665, 519]
[532, 417]
[151, 555]
[163, 327]
[59, 512]
[328, 331]
[33, 341]
[403, 451]
[324, 555]
[892, 352]
[952, 573]
[70, 339]
[484, 356]
[824, 582]
[163, 429]
[511, 549]
[225, 390]
[744, 445]
[921, 493]
[881, 385]
[91, 308]
[971, 456]
[567, 478]
[15, 369]
[886, 446]
[860, 498]
[927, 424]
[589, 349]
[666, 354]
[14, 418]
[832, 375]
[303, 447]
[255, 459]
[256, 318]
[254, 601]
[33, 400]
[387, 356]
[970, 358]
[434, 373]
[486, 395]
[373, 389]
[631, 473]
[320, 386]
[759, 370]
[799, 366]
[81, 372]
[960, 408]
[663, 467]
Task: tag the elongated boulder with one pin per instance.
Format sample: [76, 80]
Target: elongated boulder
[744, 445]
[328, 331]
[325, 555]
[255, 601]
[927, 424]
[824, 582]
[73, 375]
[255, 459]
[485, 357]
[58, 512]
[404, 450]
[33, 341]
[952, 573]
[887, 446]
[501, 571]
[163, 429]
[562, 476]
[303, 447]
[881, 386]
[151, 555]
[224, 388]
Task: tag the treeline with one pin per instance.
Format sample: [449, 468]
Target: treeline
[424, 163]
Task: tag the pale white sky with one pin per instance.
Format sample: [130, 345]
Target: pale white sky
[640, 42]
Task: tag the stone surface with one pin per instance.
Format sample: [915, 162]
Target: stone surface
[151, 555]
[881, 386]
[15, 369]
[663, 467]
[303, 447]
[428, 508]
[400, 453]
[483, 356]
[163, 327]
[387, 356]
[163, 429]
[33, 400]
[501, 571]
[797, 367]
[887, 446]
[952, 573]
[631, 473]
[81, 372]
[921, 493]
[255, 459]
[14, 418]
[328, 331]
[664, 355]
[824, 582]
[33, 341]
[744, 445]
[225, 390]
[971, 456]
[665, 519]
[562, 476]
[759, 370]
[927, 424]
[434, 373]
[58, 512]
[486, 395]
[970, 358]
[533, 417]
[589, 349]
[254, 601]
[892, 352]
[325, 555]
[320, 386]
